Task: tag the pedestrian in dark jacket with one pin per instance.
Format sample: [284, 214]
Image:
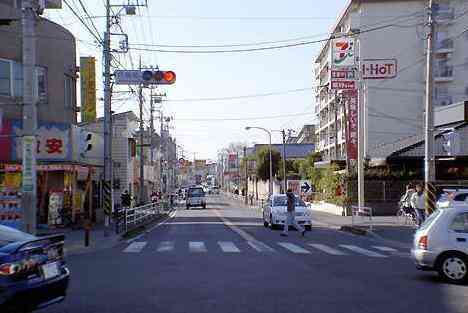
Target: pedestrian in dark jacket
[126, 199]
[291, 214]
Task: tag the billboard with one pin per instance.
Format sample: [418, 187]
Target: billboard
[200, 164]
[379, 68]
[343, 52]
[351, 101]
[88, 88]
[232, 162]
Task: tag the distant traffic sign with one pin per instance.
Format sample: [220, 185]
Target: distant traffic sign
[306, 186]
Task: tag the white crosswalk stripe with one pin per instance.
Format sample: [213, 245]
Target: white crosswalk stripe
[326, 249]
[135, 247]
[363, 251]
[197, 246]
[228, 246]
[260, 246]
[385, 249]
[165, 246]
[293, 248]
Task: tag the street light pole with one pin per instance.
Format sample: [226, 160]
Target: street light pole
[270, 186]
[283, 132]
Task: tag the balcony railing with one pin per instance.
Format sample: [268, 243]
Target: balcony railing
[444, 44]
[444, 14]
[443, 72]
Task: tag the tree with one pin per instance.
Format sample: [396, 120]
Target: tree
[263, 162]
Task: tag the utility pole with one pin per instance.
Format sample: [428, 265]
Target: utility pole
[361, 135]
[107, 184]
[151, 129]
[246, 175]
[161, 151]
[142, 158]
[336, 124]
[283, 132]
[29, 197]
[429, 159]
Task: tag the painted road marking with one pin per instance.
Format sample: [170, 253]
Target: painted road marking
[385, 249]
[293, 248]
[135, 247]
[165, 246]
[197, 246]
[228, 246]
[326, 249]
[363, 251]
[260, 246]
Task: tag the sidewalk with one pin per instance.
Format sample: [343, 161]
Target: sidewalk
[383, 227]
[75, 239]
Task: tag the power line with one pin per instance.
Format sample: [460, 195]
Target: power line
[82, 22]
[92, 22]
[291, 45]
[240, 97]
[241, 118]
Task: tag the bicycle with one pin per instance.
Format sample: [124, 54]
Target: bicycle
[406, 215]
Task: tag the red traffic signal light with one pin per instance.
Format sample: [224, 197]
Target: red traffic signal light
[164, 77]
[158, 77]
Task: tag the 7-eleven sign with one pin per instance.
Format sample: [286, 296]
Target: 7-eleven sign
[343, 52]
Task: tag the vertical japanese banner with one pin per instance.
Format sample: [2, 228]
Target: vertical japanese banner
[351, 98]
[28, 163]
[88, 88]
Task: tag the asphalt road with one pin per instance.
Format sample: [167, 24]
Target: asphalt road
[222, 259]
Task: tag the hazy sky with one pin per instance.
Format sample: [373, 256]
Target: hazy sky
[210, 22]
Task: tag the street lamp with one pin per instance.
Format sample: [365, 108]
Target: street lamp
[270, 185]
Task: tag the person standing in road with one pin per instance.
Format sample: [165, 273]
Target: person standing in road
[291, 214]
[417, 203]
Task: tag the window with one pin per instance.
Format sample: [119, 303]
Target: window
[460, 197]
[460, 223]
[5, 78]
[68, 92]
[11, 80]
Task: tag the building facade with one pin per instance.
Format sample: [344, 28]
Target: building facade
[394, 108]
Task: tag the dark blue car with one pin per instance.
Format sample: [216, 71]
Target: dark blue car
[33, 274]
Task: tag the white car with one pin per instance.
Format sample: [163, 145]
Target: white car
[453, 197]
[441, 244]
[275, 208]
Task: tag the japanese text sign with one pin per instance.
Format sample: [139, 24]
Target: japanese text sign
[351, 100]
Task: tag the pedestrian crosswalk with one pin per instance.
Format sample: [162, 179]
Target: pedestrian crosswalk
[230, 247]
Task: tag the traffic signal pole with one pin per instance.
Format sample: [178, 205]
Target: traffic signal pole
[29, 197]
[429, 159]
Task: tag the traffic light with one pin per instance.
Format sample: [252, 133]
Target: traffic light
[159, 77]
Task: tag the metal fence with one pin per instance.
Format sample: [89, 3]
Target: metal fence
[129, 218]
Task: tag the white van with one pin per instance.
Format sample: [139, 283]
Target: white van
[195, 198]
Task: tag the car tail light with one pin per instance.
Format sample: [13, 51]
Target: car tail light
[8, 269]
[422, 244]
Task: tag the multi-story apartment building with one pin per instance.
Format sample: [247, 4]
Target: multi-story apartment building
[394, 108]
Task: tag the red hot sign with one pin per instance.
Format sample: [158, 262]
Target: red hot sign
[379, 68]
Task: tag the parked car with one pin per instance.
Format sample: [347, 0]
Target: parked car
[453, 196]
[196, 198]
[441, 244]
[275, 208]
[33, 273]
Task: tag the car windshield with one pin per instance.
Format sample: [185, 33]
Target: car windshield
[196, 192]
[9, 235]
[282, 201]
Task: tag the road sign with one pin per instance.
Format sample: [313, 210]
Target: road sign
[128, 77]
[343, 84]
[343, 52]
[306, 186]
[379, 68]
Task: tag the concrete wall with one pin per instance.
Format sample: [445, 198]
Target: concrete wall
[56, 51]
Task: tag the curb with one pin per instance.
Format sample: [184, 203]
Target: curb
[355, 230]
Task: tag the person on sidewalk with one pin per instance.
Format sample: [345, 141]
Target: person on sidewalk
[405, 201]
[417, 203]
[126, 199]
[291, 214]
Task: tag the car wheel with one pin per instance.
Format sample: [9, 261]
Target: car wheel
[453, 267]
[308, 227]
[273, 226]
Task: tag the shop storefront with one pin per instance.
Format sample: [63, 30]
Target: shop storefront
[64, 195]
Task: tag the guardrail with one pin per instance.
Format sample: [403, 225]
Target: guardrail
[364, 213]
[129, 218]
